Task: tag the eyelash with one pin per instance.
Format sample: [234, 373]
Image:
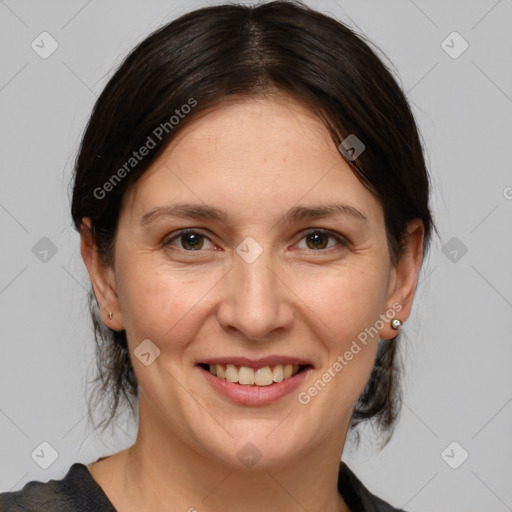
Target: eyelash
[340, 239]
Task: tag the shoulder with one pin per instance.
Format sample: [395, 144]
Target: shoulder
[76, 492]
[357, 496]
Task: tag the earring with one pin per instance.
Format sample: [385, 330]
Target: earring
[396, 324]
[110, 315]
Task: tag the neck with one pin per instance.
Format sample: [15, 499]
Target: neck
[161, 472]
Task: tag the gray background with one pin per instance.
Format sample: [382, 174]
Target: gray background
[458, 383]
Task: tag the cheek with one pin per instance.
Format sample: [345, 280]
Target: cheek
[347, 299]
[159, 303]
[346, 305]
[165, 306]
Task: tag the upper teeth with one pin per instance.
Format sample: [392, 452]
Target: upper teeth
[260, 377]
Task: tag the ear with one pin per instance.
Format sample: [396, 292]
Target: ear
[102, 278]
[404, 278]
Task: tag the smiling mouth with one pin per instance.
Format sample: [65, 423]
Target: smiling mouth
[246, 376]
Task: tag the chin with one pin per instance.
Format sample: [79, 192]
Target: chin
[256, 444]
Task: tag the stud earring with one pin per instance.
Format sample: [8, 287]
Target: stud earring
[110, 315]
[396, 324]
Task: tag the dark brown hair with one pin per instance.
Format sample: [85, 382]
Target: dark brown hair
[208, 56]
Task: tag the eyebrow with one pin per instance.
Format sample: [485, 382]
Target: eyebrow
[297, 213]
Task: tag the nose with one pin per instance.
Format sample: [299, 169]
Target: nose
[256, 300]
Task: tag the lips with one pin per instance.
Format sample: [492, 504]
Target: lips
[257, 394]
[250, 372]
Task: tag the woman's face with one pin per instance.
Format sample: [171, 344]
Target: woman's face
[286, 262]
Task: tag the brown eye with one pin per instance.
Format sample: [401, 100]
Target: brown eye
[191, 241]
[318, 240]
[188, 241]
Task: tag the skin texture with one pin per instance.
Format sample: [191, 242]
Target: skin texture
[254, 158]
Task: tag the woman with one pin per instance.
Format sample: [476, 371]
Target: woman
[252, 200]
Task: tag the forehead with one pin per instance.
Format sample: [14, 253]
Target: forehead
[252, 154]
